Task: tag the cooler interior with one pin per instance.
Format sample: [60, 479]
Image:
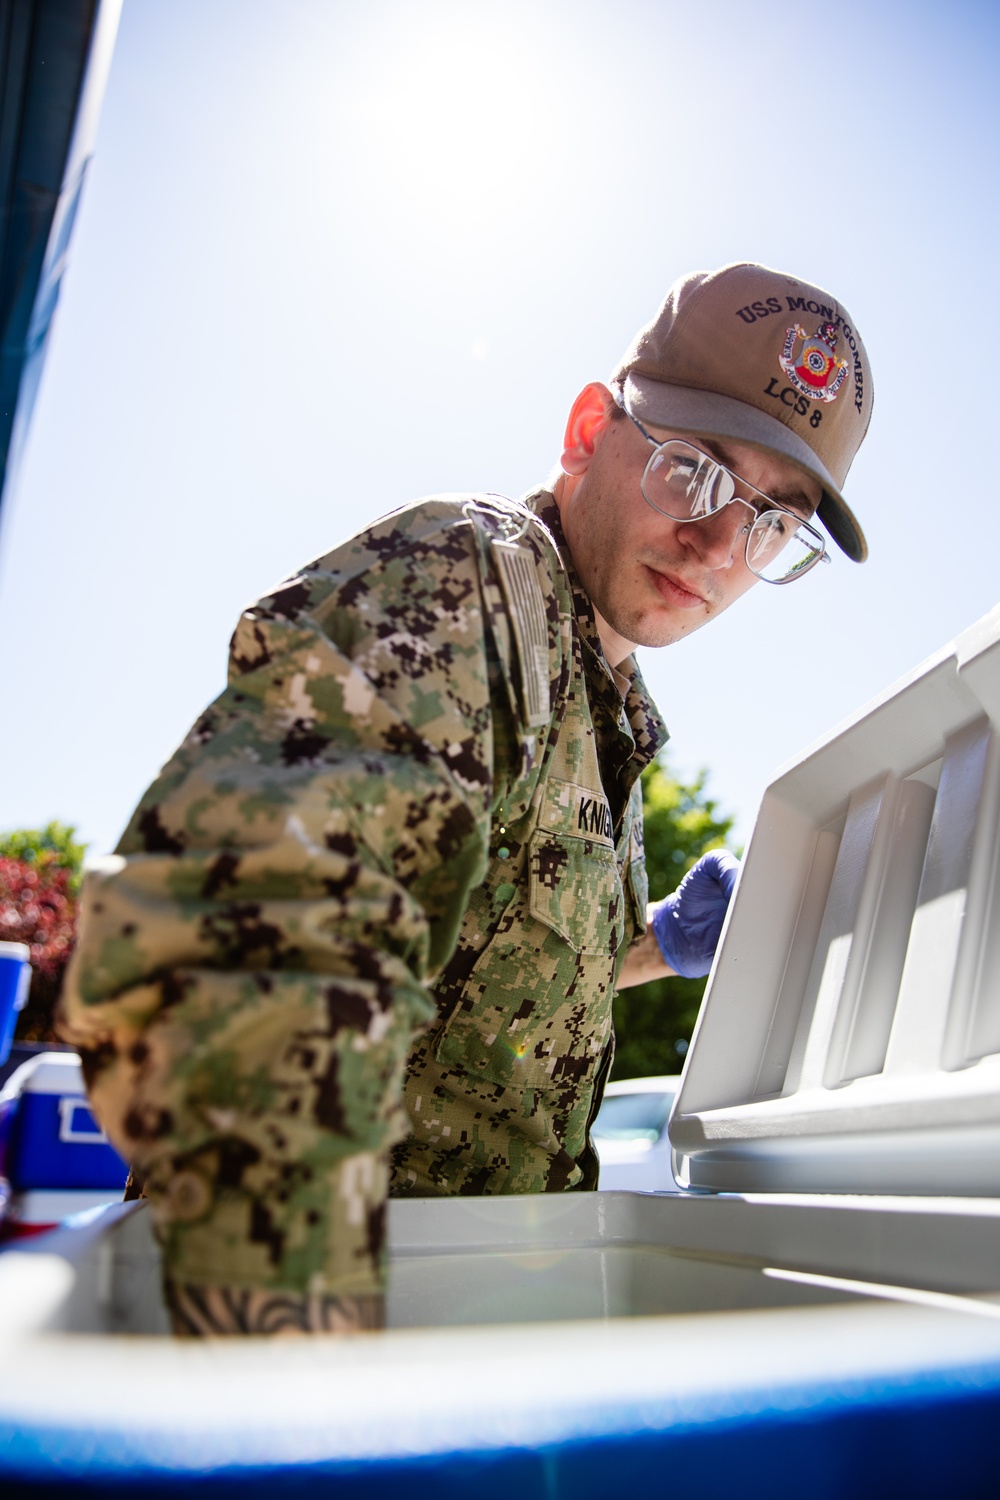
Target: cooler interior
[597, 1256]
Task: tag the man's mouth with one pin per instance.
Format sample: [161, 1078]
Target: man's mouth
[675, 592]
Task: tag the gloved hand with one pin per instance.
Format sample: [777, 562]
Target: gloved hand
[687, 924]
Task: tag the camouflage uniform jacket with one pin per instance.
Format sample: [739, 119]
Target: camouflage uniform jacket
[415, 802]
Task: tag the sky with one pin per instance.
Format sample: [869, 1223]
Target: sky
[334, 257]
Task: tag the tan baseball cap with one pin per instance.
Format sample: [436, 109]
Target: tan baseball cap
[752, 354]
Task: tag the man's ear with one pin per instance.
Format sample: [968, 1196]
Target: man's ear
[588, 419]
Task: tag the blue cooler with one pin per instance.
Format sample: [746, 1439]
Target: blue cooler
[15, 977]
[54, 1155]
[815, 1314]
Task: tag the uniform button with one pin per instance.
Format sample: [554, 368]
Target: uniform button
[189, 1196]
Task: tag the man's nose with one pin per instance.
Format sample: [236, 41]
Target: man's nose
[718, 538]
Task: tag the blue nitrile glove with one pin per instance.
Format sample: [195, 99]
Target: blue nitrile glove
[687, 924]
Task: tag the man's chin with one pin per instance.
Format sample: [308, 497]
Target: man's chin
[660, 629]
[654, 640]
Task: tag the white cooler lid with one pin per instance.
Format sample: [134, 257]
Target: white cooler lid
[46, 1073]
[849, 1040]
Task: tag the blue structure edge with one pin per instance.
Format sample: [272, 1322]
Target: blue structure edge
[922, 1437]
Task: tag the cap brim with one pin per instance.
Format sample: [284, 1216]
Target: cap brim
[704, 412]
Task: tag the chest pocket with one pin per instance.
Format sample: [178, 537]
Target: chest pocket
[574, 885]
[536, 1012]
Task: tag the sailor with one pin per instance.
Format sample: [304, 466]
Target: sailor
[362, 934]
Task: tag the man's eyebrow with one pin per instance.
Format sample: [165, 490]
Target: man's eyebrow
[795, 499]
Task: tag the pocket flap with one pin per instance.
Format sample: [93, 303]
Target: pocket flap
[574, 887]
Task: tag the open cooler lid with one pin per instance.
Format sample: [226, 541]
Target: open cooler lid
[849, 1039]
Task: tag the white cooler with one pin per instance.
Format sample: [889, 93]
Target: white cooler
[816, 1314]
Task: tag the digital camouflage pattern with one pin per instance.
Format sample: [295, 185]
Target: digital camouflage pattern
[361, 934]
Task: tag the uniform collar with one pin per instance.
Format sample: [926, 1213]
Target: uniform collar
[610, 690]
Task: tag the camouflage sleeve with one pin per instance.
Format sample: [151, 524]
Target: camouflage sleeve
[253, 960]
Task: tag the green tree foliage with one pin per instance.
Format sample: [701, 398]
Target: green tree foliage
[55, 844]
[40, 874]
[653, 1022]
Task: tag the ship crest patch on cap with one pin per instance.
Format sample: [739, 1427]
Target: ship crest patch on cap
[811, 363]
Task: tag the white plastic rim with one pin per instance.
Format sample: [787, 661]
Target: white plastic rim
[15, 950]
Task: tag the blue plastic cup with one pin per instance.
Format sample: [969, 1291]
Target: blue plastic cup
[15, 977]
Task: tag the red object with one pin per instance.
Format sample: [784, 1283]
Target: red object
[815, 377]
[38, 907]
[12, 1229]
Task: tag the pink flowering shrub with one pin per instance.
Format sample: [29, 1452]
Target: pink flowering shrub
[38, 907]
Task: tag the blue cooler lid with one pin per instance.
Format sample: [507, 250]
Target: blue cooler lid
[51, 1138]
[15, 980]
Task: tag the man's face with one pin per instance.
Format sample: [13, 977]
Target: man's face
[653, 580]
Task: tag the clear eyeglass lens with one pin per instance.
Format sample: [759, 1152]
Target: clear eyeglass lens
[777, 550]
[686, 485]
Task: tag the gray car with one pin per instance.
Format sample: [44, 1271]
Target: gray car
[630, 1134]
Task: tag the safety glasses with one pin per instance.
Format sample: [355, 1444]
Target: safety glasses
[686, 484]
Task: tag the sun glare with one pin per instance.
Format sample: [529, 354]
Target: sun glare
[459, 123]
